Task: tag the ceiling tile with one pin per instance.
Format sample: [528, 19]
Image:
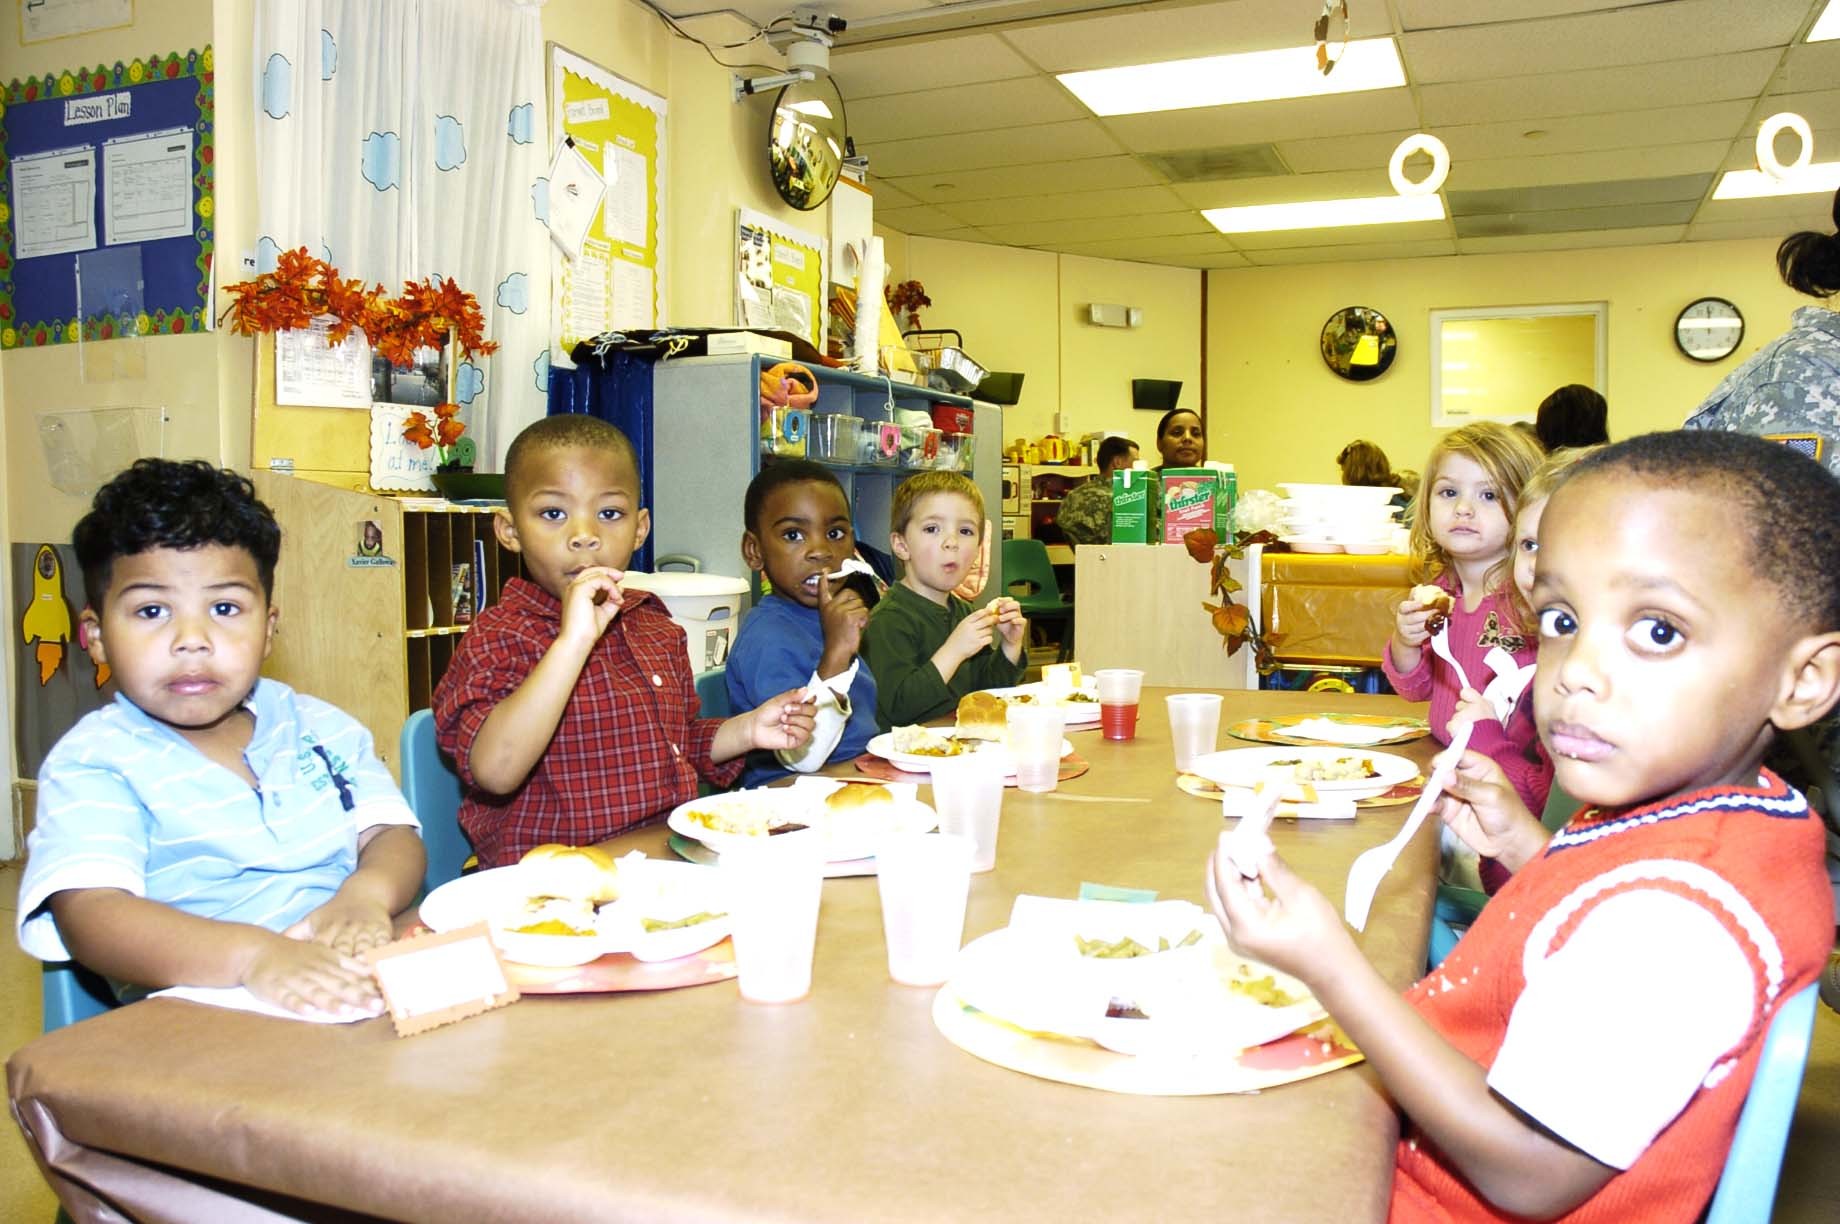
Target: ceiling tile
[1096, 229]
[1230, 193]
[896, 68]
[1422, 249]
[1821, 107]
[1587, 133]
[1383, 110]
[1741, 154]
[1688, 188]
[1348, 236]
[1656, 162]
[1316, 155]
[1741, 74]
[918, 220]
[1810, 66]
[1151, 36]
[1721, 231]
[1173, 248]
[1027, 180]
[1790, 213]
[1102, 203]
[1650, 236]
[961, 108]
[1574, 220]
[887, 195]
[1436, 14]
[1634, 34]
[981, 150]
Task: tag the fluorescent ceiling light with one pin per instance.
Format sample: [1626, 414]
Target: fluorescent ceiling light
[1827, 25]
[1822, 177]
[1224, 80]
[1325, 214]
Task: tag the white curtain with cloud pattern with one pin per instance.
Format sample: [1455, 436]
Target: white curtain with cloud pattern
[403, 139]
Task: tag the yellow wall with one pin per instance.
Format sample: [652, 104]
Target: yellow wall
[1277, 413]
[1026, 310]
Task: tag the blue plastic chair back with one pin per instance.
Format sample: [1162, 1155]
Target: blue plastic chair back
[712, 692]
[1747, 1187]
[72, 993]
[433, 792]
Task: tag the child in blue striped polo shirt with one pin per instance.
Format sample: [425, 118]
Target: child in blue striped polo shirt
[209, 827]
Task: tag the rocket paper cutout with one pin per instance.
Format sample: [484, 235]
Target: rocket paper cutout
[47, 619]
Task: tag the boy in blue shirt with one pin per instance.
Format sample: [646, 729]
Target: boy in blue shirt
[209, 828]
[809, 630]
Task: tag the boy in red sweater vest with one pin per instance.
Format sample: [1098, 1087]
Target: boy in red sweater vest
[1584, 1052]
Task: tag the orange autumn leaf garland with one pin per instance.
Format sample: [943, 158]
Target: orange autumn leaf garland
[1232, 621]
[441, 432]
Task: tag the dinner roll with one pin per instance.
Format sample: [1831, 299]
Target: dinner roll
[982, 716]
[856, 796]
[585, 873]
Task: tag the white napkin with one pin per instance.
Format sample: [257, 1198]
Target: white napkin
[238, 998]
[1328, 731]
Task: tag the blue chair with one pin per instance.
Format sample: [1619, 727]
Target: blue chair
[433, 791]
[1457, 907]
[1747, 1187]
[72, 993]
[712, 691]
[1025, 564]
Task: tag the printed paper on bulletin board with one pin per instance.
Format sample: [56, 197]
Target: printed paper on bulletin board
[107, 229]
[780, 277]
[617, 280]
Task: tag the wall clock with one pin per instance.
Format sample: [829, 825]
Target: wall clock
[1709, 329]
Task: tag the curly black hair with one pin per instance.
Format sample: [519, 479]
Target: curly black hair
[571, 430]
[1786, 505]
[779, 473]
[171, 503]
[1574, 415]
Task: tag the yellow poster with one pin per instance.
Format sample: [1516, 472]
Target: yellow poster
[780, 277]
[614, 278]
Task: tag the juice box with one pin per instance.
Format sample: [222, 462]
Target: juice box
[1225, 504]
[1130, 507]
[1189, 498]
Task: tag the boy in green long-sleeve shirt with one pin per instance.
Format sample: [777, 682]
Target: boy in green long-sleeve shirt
[924, 645]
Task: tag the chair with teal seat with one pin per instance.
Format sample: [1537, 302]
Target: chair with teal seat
[712, 692]
[433, 791]
[1747, 1187]
[1457, 907]
[71, 993]
[1025, 564]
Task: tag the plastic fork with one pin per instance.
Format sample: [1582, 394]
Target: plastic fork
[1442, 649]
[1250, 840]
[1366, 872]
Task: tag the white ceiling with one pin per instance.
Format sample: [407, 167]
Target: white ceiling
[1570, 122]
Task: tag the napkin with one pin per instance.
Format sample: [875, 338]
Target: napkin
[238, 998]
[1329, 731]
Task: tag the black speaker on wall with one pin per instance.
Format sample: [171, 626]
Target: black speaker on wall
[1155, 394]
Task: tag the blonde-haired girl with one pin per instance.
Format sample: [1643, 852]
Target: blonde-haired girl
[1462, 528]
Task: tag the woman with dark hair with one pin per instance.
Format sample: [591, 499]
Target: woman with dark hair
[1790, 390]
[1574, 415]
[1181, 439]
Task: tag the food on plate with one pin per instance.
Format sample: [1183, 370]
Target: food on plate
[1440, 601]
[1331, 769]
[1261, 990]
[858, 797]
[1126, 948]
[738, 817]
[1060, 679]
[924, 741]
[577, 873]
[1125, 1009]
[654, 925]
[982, 716]
[1080, 697]
[569, 916]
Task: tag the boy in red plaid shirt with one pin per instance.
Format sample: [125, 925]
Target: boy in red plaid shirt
[570, 707]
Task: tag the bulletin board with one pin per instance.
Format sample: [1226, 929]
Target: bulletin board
[131, 122]
[617, 280]
[781, 277]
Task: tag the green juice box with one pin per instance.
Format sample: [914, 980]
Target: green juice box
[1130, 507]
[1225, 501]
[1189, 499]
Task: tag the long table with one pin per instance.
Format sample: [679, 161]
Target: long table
[692, 1105]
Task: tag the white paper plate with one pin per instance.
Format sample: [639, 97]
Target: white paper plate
[883, 746]
[847, 836]
[1298, 544]
[663, 889]
[1079, 713]
[1250, 766]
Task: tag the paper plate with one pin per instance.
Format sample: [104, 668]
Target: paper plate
[883, 746]
[1250, 766]
[1079, 713]
[1278, 730]
[848, 836]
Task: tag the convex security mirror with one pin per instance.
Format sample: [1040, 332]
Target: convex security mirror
[805, 141]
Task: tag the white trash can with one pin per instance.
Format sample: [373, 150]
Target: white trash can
[707, 607]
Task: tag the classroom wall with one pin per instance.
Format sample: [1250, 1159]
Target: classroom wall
[1277, 413]
[1506, 367]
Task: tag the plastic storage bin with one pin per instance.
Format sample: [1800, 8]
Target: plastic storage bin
[783, 430]
[881, 443]
[707, 607]
[954, 450]
[952, 418]
[836, 437]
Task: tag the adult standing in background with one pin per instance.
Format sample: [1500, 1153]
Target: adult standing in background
[1181, 440]
[1790, 390]
[1364, 463]
[1574, 415]
[1086, 512]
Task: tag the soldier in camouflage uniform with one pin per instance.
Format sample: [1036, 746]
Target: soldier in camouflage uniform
[1086, 512]
[1790, 392]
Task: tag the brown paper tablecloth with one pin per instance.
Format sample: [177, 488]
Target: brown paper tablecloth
[693, 1105]
[1332, 607]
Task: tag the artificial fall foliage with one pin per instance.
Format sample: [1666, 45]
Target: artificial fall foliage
[441, 432]
[1234, 622]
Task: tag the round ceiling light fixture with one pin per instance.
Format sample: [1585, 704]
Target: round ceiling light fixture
[1766, 144]
[1419, 142]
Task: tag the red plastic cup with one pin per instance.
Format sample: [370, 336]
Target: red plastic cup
[1119, 722]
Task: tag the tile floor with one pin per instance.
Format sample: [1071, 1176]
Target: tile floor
[1810, 1191]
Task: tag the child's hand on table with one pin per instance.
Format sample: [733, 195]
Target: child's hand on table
[303, 976]
[842, 615]
[1276, 918]
[349, 926]
[1482, 808]
[783, 722]
[589, 603]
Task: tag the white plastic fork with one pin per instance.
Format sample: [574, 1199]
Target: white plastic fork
[1442, 649]
[1250, 839]
[1366, 872]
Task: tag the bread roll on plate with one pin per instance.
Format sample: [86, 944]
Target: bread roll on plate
[983, 716]
[859, 797]
[580, 873]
